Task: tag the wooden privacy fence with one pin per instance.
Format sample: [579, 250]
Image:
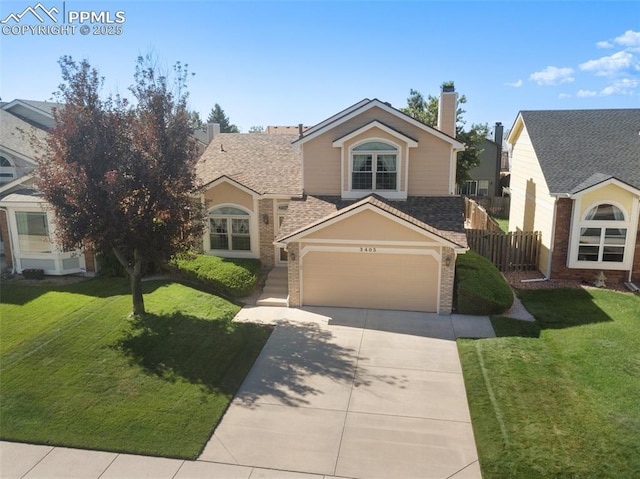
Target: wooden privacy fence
[496, 206]
[514, 251]
[477, 218]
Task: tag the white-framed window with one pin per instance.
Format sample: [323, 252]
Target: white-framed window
[474, 188]
[374, 166]
[7, 170]
[602, 235]
[33, 232]
[229, 229]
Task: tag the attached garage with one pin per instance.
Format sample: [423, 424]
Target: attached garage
[371, 278]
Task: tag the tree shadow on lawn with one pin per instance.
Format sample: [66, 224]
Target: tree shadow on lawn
[215, 354]
[553, 309]
[20, 292]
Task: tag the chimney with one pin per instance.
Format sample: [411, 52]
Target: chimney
[213, 130]
[300, 129]
[447, 108]
[498, 132]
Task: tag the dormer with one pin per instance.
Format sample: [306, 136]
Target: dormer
[374, 159]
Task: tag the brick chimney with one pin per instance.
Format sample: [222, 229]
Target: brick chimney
[447, 108]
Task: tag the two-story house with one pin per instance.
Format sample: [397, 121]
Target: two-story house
[360, 208]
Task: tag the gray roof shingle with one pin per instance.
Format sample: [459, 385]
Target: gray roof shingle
[580, 148]
[267, 164]
[15, 135]
[442, 216]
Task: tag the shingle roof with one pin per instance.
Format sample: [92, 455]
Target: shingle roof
[262, 162]
[579, 148]
[15, 135]
[442, 216]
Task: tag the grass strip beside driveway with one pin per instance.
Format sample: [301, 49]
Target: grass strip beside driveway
[559, 398]
[78, 372]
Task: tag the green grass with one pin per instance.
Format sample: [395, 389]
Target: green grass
[480, 288]
[78, 371]
[559, 398]
[503, 223]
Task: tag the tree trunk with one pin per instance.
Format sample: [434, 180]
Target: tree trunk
[135, 279]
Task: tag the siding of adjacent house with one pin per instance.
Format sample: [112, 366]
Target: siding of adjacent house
[531, 204]
[429, 163]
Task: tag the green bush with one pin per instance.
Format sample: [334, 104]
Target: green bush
[228, 276]
[480, 288]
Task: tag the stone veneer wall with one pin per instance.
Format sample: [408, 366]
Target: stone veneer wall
[559, 269]
[267, 233]
[447, 274]
[293, 266]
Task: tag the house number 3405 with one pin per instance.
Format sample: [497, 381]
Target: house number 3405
[367, 249]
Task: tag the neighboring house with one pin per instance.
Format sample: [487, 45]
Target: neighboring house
[26, 224]
[575, 176]
[485, 178]
[359, 208]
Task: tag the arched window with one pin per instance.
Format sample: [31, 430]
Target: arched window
[603, 235]
[7, 170]
[229, 229]
[374, 166]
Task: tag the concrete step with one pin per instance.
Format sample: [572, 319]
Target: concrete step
[269, 300]
[276, 290]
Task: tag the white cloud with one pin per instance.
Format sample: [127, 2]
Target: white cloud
[516, 84]
[586, 93]
[626, 86]
[604, 44]
[564, 95]
[552, 76]
[610, 65]
[629, 39]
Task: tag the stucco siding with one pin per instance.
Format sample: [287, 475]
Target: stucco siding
[225, 193]
[367, 225]
[429, 163]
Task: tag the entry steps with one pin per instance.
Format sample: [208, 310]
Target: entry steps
[276, 289]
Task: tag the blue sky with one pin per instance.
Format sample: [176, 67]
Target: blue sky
[284, 63]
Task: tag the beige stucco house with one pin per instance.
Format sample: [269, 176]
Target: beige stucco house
[575, 176]
[358, 210]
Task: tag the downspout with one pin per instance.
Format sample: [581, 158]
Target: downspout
[13, 258]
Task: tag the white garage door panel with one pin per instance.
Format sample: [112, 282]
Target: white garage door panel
[370, 280]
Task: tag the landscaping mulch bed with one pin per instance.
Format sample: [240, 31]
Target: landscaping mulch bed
[514, 278]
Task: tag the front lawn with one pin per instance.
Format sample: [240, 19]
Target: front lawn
[559, 398]
[77, 371]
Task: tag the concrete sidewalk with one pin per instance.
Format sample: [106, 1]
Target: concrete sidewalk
[335, 393]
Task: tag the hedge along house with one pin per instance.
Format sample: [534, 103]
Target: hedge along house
[359, 208]
[576, 178]
[27, 224]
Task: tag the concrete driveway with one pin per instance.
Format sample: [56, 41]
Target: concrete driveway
[354, 393]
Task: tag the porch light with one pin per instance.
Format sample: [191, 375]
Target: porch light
[447, 260]
[265, 219]
[292, 255]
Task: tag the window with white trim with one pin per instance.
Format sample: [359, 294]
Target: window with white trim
[33, 232]
[474, 188]
[229, 229]
[374, 166]
[603, 235]
[7, 170]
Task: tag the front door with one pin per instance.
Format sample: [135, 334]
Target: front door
[281, 254]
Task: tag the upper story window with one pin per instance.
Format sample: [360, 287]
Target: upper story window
[374, 166]
[229, 229]
[603, 235]
[7, 170]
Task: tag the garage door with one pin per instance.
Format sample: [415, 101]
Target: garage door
[370, 280]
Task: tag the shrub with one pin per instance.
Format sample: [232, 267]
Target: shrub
[33, 273]
[480, 288]
[227, 276]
